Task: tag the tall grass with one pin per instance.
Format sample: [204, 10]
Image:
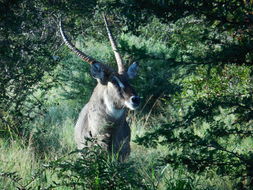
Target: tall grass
[21, 167]
[16, 157]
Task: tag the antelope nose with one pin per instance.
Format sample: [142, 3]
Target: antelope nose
[135, 100]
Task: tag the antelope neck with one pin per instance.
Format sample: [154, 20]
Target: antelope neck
[111, 110]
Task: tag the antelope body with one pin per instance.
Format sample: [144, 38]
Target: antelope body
[104, 116]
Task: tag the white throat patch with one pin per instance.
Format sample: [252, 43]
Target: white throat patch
[111, 110]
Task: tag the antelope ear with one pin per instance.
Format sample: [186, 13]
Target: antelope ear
[97, 71]
[132, 70]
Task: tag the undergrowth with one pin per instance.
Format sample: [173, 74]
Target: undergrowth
[23, 167]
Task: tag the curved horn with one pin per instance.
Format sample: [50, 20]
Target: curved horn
[114, 48]
[82, 55]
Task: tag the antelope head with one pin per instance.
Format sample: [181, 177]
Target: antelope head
[118, 93]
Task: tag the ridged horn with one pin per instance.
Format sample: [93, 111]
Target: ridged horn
[119, 60]
[82, 55]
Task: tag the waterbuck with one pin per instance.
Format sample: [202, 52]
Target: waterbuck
[104, 116]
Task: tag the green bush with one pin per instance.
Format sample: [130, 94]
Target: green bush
[94, 169]
[90, 168]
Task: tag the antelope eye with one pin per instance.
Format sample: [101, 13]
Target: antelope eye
[118, 83]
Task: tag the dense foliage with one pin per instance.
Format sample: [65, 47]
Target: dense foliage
[90, 168]
[195, 82]
[213, 125]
